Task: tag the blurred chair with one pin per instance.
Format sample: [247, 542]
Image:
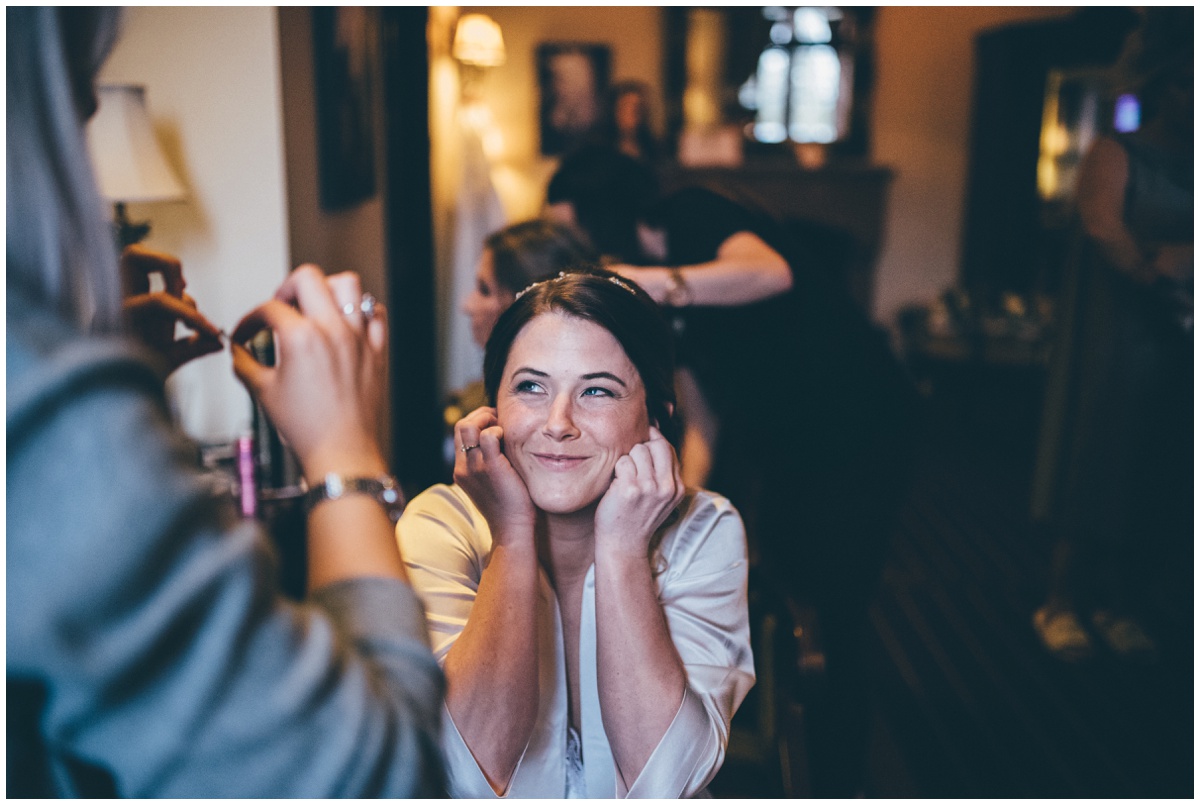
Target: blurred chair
[767, 733]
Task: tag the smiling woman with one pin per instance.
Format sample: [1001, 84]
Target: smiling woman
[589, 612]
[572, 404]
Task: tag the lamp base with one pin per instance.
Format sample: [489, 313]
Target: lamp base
[128, 233]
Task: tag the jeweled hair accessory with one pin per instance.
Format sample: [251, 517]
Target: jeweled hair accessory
[614, 279]
[533, 285]
[618, 281]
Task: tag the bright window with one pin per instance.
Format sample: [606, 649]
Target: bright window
[801, 89]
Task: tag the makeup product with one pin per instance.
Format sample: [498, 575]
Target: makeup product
[247, 485]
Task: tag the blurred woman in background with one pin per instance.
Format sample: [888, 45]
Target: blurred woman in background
[626, 123]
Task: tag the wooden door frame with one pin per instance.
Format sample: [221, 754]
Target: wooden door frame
[408, 231]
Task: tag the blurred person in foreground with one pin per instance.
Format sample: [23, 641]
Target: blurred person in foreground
[150, 652]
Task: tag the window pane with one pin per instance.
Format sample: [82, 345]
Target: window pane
[816, 81]
[770, 124]
[812, 26]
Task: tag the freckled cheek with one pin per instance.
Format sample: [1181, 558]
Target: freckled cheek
[618, 435]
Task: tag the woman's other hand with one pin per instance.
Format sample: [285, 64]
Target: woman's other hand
[326, 392]
[153, 315]
[646, 487]
[485, 473]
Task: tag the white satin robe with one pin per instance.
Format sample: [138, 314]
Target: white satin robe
[702, 588]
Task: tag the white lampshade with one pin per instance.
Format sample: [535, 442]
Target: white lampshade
[478, 41]
[129, 164]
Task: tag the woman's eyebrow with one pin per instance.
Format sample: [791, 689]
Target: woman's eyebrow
[526, 370]
[605, 375]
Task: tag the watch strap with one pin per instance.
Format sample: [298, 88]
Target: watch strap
[679, 294]
[383, 489]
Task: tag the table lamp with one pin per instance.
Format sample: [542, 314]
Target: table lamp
[478, 41]
[478, 46]
[129, 164]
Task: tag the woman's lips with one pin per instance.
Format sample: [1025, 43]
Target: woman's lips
[554, 461]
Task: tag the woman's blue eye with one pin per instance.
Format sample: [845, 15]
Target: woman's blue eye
[597, 391]
[527, 385]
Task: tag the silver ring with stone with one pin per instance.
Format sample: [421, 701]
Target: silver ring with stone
[466, 448]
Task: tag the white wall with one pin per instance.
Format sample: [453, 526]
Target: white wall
[213, 91]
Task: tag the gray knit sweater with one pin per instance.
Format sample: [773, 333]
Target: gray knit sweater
[149, 652]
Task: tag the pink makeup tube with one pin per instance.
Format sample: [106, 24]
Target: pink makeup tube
[245, 463]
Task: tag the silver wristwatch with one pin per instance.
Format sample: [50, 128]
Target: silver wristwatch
[383, 489]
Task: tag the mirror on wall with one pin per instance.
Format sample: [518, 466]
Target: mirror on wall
[776, 76]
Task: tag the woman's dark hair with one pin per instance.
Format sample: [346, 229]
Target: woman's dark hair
[610, 193]
[617, 305]
[530, 251]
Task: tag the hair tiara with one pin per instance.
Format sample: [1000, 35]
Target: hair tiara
[614, 279]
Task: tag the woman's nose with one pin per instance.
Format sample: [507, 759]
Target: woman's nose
[560, 422]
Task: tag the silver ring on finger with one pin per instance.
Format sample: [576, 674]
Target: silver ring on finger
[366, 306]
[466, 448]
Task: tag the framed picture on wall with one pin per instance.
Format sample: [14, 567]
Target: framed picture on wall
[573, 79]
[345, 61]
